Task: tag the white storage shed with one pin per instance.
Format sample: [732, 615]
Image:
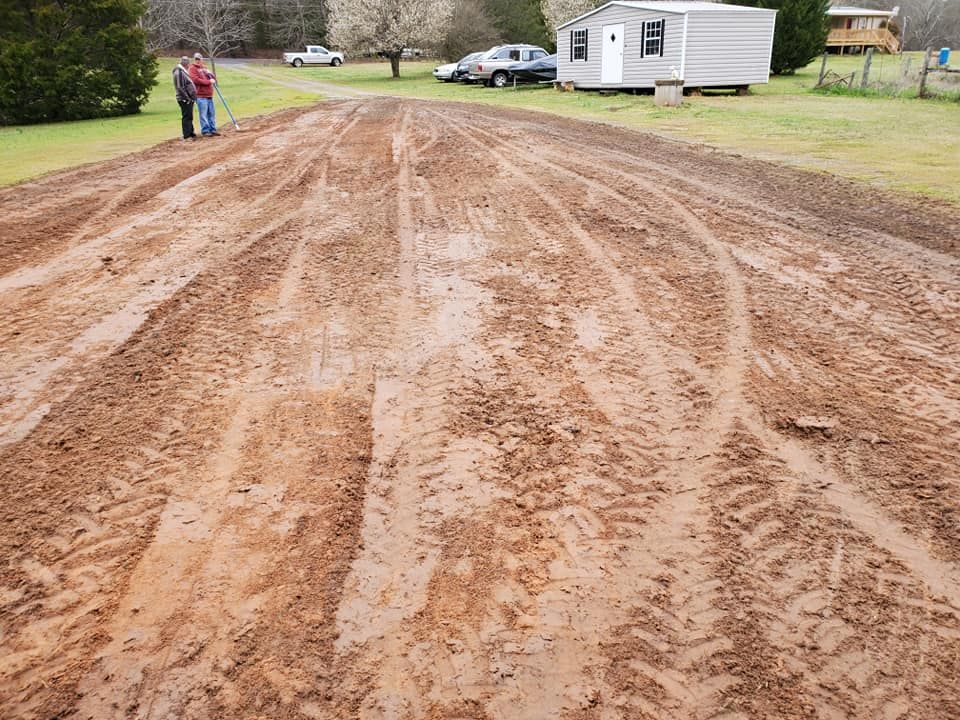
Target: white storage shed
[626, 44]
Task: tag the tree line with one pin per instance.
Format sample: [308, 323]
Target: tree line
[72, 59]
[365, 26]
[456, 27]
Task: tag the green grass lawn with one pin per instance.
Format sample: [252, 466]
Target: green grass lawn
[900, 143]
[27, 151]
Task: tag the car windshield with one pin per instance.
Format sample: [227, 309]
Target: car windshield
[490, 53]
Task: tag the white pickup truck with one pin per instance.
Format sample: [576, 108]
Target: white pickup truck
[314, 55]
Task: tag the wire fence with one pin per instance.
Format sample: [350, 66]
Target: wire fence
[875, 73]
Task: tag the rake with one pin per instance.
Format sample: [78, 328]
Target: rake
[224, 101]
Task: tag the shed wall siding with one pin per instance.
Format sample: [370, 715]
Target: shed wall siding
[637, 71]
[723, 48]
[728, 49]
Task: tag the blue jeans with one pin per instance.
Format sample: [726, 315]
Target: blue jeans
[208, 115]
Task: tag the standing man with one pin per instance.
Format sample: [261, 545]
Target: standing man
[204, 80]
[186, 96]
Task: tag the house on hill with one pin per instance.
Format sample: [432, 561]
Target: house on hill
[860, 28]
[628, 44]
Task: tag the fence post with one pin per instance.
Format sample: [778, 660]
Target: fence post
[866, 69]
[905, 67]
[924, 71]
[823, 70]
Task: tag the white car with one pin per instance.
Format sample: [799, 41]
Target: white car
[314, 55]
[444, 73]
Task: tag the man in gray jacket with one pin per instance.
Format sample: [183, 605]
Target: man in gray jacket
[186, 96]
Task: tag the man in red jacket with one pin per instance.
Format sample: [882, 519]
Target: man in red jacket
[204, 80]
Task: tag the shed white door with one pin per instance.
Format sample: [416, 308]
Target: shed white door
[611, 58]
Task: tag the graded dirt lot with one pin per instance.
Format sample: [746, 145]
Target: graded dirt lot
[388, 409]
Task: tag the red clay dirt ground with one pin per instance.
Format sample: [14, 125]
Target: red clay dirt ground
[388, 409]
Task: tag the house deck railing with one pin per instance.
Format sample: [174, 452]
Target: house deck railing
[877, 37]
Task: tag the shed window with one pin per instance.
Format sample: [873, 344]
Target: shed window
[653, 38]
[578, 45]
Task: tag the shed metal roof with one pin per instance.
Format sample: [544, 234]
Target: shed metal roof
[676, 8]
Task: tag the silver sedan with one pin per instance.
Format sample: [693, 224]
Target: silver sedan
[444, 73]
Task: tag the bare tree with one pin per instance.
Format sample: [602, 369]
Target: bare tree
[162, 23]
[557, 12]
[388, 26]
[213, 26]
[470, 29]
[926, 23]
[295, 23]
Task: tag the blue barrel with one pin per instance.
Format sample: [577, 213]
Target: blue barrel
[944, 57]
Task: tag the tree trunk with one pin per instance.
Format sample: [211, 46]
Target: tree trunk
[394, 63]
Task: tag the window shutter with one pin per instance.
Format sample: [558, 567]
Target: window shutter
[586, 43]
[571, 46]
[663, 35]
[643, 38]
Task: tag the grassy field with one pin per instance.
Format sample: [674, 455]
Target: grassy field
[901, 143]
[31, 150]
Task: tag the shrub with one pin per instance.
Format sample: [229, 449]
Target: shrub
[72, 60]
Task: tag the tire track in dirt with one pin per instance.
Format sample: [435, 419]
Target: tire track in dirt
[482, 427]
[797, 198]
[150, 246]
[91, 554]
[940, 577]
[417, 487]
[945, 333]
[29, 236]
[203, 529]
[91, 519]
[739, 347]
[673, 687]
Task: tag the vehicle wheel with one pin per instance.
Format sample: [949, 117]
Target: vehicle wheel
[297, 62]
[336, 62]
[499, 79]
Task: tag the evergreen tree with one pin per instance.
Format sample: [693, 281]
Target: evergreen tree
[801, 31]
[72, 59]
[520, 21]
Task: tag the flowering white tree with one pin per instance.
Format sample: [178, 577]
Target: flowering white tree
[388, 26]
[557, 12]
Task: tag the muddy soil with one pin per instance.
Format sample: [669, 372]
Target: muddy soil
[387, 409]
